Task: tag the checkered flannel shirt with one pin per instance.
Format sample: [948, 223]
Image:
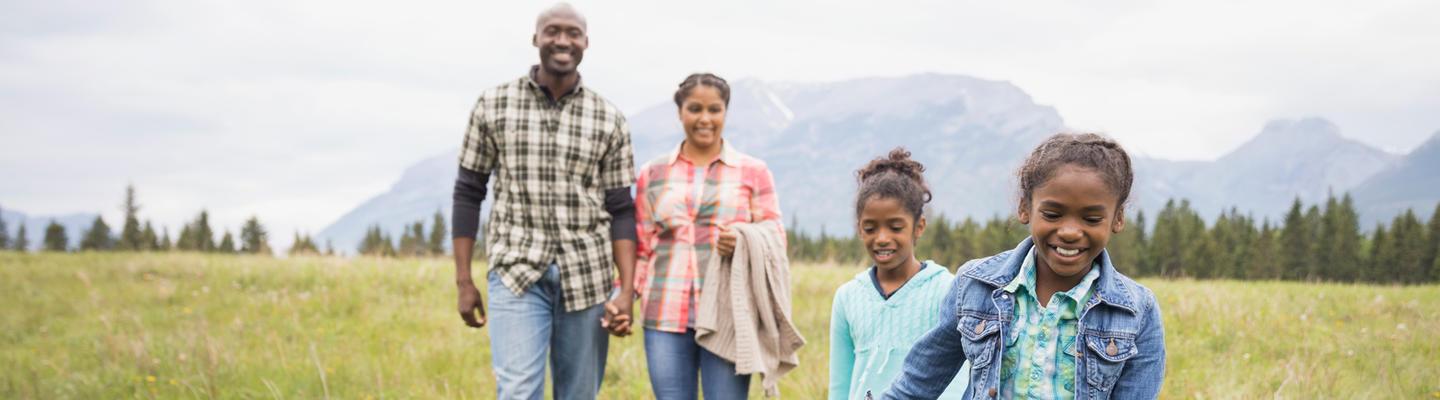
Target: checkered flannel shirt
[678, 229]
[551, 163]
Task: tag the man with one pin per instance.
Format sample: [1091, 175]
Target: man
[557, 152]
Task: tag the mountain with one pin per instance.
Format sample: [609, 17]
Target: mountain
[75, 225]
[970, 133]
[1412, 183]
[422, 190]
[1305, 158]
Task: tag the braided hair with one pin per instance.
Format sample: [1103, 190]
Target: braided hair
[1088, 150]
[895, 176]
[704, 78]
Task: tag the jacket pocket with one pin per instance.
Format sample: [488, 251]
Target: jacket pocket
[980, 336]
[1106, 359]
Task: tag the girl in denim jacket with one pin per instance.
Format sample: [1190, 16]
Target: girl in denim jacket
[1051, 318]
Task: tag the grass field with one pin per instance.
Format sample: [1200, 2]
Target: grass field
[201, 326]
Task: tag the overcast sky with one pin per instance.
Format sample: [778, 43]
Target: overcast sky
[297, 111]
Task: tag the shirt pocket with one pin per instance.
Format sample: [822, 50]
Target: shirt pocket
[668, 208]
[1107, 354]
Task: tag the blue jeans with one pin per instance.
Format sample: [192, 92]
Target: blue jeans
[525, 329]
[675, 361]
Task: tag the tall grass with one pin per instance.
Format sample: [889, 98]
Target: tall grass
[208, 326]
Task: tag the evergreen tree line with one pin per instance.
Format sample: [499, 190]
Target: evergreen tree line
[196, 235]
[1318, 242]
[413, 242]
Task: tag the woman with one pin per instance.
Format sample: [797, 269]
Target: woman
[685, 202]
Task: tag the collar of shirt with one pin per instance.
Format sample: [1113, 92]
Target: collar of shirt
[1026, 279]
[535, 82]
[727, 155]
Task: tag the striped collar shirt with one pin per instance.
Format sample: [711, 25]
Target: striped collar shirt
[552, 161]
[679, 209]
[1039, 357]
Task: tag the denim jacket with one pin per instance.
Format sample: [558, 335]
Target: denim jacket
[1120, 348]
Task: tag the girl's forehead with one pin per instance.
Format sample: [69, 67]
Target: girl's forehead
[1073, 180]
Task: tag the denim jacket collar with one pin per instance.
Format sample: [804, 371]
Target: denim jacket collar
[1001, 269]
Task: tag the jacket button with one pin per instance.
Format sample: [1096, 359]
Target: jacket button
[980, 327]
[1110, 349]
[992, 393]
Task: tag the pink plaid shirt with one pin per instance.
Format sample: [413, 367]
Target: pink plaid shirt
[678, 230]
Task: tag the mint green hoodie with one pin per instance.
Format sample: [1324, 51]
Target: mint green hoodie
[870, 335]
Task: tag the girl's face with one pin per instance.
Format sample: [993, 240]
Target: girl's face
[703, 116]
[1071, 217]
[889, 233]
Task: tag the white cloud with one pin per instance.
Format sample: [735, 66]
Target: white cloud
[297, 111]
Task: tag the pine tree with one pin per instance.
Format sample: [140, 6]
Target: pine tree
[1260, 261]
[967, 242]
[303, 246]
[1179, 246]
[130, 233]
[227, 244]
[97, 238]
[329, 248]
[55, 238]
[437, 235]
[370, 245]
[1382, 257]
[387, 246]
[165, 243]
[253, 237]
[1432, 249]
[1142, 244]
[937, 241]
[1295, 243]
[1342, 244]
[1123, 250]
[1407, 237]
[148, 241]
[202, 237]
[4, 231]
[412, 240]
[1313, 225]
[186, 241]
[22, 243]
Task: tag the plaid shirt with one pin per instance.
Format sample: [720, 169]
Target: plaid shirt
[1039, 359]
[551, 163]
[678, 229]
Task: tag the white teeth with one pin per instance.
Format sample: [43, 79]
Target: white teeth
[1066, 252]
[884, 252]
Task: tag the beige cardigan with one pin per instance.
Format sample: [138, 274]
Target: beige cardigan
[743, 313]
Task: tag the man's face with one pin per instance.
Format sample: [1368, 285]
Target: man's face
[562, 42]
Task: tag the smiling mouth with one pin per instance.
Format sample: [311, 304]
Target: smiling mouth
[1067, 252]
[884, 254]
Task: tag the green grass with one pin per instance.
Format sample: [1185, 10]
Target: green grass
[201, 326]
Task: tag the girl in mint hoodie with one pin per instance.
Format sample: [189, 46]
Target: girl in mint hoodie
[877, 317]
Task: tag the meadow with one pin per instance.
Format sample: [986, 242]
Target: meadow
[182, 325]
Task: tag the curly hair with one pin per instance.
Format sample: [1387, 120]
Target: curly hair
[704, 78]
[1088, 150]
[895, 176]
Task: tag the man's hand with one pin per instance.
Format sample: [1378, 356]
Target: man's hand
[617, 315]
[725, 243]
[472, 307]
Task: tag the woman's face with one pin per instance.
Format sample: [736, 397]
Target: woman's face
[703, 116]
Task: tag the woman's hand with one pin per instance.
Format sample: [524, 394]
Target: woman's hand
[725, 243]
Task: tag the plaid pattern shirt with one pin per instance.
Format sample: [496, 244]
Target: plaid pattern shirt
[1039, 358]
[678, 229]
[551, 163]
